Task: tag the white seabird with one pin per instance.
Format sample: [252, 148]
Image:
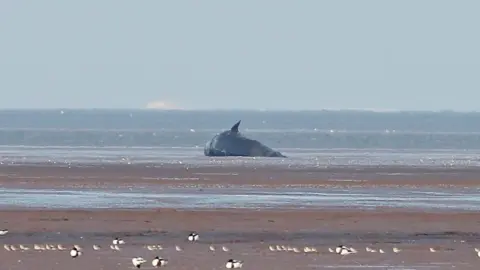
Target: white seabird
[159, 262]
[114, 247]
[74, 252]
[138, 261]
[234, 264]
[118, 241]
[339, 249]
[3, 232]
[343, 250]
[193, 237]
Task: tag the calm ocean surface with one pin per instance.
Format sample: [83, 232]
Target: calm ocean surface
[308, 138]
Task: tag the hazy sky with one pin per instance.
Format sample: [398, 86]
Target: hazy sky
[240, 54]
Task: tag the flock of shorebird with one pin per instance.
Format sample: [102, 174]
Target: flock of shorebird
[344, 250]
[137, 262]
[158, 261]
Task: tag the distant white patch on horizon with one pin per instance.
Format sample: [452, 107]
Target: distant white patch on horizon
[162, 105]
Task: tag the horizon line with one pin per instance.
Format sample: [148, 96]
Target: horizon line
[244, 110]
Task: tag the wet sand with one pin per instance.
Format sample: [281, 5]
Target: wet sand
[248, 233]
[181, 187]
[113, 176]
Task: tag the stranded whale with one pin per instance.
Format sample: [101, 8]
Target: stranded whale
[232, 143]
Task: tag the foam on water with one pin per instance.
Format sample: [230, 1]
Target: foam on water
[193, 156]
[214, 198]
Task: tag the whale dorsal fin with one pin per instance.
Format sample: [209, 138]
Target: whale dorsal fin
[235, 127]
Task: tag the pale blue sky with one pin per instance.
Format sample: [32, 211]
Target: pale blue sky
[240, 54]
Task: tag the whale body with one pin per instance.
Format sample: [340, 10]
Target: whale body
[233, 143]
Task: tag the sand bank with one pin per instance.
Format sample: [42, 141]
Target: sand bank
[247, 234]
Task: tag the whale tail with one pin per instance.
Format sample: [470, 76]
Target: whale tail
[234, 129]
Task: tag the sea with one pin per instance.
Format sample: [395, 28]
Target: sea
[317, 139]
[308, 138]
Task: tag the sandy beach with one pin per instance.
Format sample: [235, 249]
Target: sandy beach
[112, 176]
[247, 233]
[248, 236]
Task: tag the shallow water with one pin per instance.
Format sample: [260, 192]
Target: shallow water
[215, 198]
[193, 156]
[309, 139]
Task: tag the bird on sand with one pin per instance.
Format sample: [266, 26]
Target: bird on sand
[159, 262]
[74, 252]
[118, 241]
[138, 261]
[234, 264]
[193, 237]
